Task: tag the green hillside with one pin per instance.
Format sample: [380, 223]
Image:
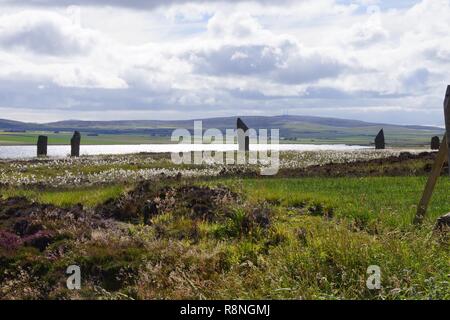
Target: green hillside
[293, 129]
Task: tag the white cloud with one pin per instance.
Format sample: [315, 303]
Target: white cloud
[238, 25]
[44, 33]
[134, 4]
[188, 57]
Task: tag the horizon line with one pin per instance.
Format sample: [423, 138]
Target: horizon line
[441, 126]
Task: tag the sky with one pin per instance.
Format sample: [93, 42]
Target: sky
[379, 61]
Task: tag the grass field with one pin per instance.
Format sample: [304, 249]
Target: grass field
[389, 200]
[63, 138]
[87, 196]
[231, 237]
[396, 139]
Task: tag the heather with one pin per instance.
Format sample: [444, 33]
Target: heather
[156, 230]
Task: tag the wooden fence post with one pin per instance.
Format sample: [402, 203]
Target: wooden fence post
[431, 183]
[443, 154]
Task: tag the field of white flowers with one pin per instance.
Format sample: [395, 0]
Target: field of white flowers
[92, 170]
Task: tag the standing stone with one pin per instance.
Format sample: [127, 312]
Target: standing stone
[447, 120]
[379, 140]
[42, 146]
[243, 139]
[435, 143]
[75, 144]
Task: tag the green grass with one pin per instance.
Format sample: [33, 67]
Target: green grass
[392, 200]
[329, 261]
[318, 135]
[395, 137]
[302, 254]
[63, 138]
[88, 196]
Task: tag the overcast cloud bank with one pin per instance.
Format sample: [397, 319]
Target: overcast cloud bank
[367, 60]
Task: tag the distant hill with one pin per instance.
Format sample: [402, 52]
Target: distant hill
[302, 129]
[226, 122]
[11, 125]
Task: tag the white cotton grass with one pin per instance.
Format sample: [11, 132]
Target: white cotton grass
[92, 170]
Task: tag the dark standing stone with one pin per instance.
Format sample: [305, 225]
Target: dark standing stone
[243, 139]
[75, 144]
[42, 146]
[435, 143]
[379, 140]
[447, 120]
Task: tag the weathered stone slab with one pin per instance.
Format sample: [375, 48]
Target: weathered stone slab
[75, 144]
[435, 143]
[447, 120]
[243, 139]
[379, 140]
[42, 146]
